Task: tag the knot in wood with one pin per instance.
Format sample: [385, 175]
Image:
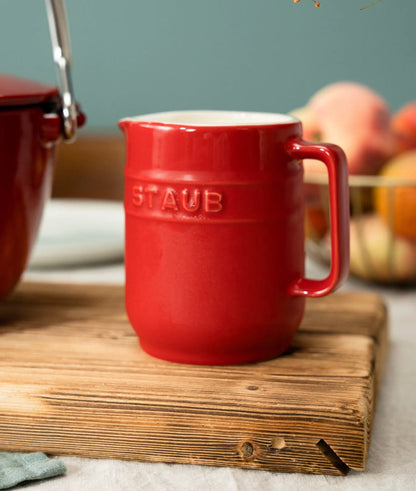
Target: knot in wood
[247, 450]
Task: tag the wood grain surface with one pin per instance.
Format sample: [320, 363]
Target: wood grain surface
[74, 381]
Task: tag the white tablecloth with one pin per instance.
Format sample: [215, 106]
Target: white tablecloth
[392, 459]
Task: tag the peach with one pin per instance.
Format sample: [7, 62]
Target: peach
[354, 117]
[397, 204]
[376, 254]
[403, 124]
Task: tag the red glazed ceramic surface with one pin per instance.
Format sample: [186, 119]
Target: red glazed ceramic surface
[16, 91]
[29, 130]
[215, 233]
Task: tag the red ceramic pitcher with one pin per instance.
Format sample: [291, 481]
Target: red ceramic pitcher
[33, 118]
[215, 233]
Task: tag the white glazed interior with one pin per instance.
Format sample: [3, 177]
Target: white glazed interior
[215, 118]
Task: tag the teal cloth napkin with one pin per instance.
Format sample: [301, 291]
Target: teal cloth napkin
[17, 467]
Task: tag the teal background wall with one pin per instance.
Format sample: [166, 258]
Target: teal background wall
[133, 57]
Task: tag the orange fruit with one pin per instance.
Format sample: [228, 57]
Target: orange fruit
[397, 204]
[403, 124]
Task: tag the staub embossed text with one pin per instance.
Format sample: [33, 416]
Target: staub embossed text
[169, 199]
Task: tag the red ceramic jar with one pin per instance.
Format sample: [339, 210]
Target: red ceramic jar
[215, 233]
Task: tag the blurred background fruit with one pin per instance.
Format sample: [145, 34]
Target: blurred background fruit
[381, 154]
[354, 117]
[377, 254]
[403, 123]
[397, 204]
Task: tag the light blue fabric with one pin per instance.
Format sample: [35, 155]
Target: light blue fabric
[17, 467]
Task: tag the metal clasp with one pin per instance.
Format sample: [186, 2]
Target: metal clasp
[61, 45]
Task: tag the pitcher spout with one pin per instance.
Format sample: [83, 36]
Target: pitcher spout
[124, 124]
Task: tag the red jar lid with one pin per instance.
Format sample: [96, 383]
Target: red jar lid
[16, 91]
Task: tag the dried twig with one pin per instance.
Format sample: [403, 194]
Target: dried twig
[318, 4]
[369, 5]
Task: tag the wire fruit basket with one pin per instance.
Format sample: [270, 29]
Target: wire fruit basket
[382, 227]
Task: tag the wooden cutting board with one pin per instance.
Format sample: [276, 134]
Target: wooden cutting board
[74, 381]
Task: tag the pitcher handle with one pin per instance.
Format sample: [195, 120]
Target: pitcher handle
[334, 159]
